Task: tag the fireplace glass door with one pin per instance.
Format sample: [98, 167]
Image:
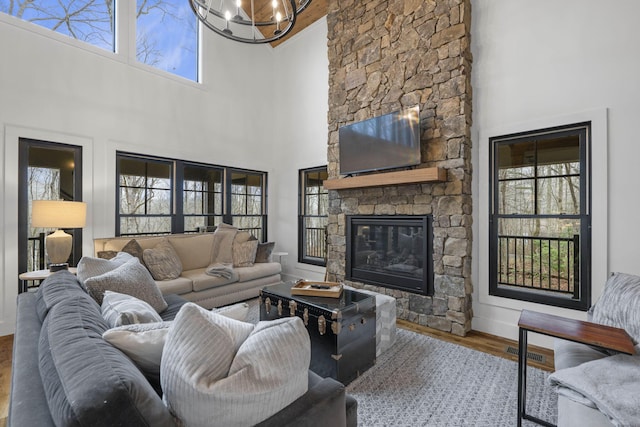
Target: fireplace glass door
[391, 251]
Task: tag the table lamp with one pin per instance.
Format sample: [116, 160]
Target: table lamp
[58, 214]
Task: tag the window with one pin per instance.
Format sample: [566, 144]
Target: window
[247, 201]
[166, 34]
[202, 205]
[161, 196]
[312, 217]
[145, 196]
[90, 21]
[540, 221]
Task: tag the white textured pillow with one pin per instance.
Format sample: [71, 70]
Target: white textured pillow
[205, 383]
[131, 278]
[121, 309]
[143, 343]
[91, 267]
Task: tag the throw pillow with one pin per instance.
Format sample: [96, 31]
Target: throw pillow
[120, 309]
[263, 253]
[197, 354]
[107, 254]
[242, 236]
[131, 278]
[618, 305]
[244, 254]
[143, 343]
[242, 391]
[133, 248]
[90, 267]
[163, 261]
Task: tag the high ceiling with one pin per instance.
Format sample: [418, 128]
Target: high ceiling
[316, 10]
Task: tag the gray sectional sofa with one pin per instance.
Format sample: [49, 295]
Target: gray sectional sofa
[64, 373]
[197, 252]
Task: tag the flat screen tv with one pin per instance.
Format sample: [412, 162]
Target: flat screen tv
[385, 142]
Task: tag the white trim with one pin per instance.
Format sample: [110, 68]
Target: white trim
[9, 215]
[599, 223]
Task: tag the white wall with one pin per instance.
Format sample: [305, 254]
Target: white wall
[302, 67]
[56, 89]
[542, 63]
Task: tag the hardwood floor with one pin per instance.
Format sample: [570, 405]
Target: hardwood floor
[476, 340]
[6, 350]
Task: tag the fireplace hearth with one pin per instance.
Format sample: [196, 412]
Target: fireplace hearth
[393, 251]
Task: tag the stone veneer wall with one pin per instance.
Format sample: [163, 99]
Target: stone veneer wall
[383, 55]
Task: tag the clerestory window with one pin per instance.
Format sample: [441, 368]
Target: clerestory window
[540, 216]
[165, 37]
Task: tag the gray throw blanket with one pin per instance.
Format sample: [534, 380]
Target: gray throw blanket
[612, 384]
[220, 270]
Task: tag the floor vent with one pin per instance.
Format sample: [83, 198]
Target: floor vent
[536, 357]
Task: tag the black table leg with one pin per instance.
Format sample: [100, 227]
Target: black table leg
[522, 374]
[522, 382]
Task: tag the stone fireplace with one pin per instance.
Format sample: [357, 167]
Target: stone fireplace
[385, 55]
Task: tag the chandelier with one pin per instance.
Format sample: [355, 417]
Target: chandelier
[249, 21]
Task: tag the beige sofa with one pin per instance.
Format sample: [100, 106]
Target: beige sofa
[196, 253]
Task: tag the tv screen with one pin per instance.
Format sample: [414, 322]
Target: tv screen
[384, 142]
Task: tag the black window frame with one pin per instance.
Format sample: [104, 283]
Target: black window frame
[581, 297]
[177, 214]
[303, 215]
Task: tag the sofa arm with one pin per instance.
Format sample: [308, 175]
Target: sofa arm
[323, 404]
[28, 404]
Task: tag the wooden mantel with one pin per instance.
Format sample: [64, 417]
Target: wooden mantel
[412, 176]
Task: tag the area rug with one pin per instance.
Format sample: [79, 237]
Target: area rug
[423, 381]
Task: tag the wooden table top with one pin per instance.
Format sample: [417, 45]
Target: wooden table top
[577, 330]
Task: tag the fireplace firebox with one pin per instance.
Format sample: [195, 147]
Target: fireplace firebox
[392, 251]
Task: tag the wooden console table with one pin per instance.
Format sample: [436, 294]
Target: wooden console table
[579, 331]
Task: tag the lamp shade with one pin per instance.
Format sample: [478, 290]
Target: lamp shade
[58, 214]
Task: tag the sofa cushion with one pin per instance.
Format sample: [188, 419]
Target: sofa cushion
[163, 262]
[244, 254]
[200, 280]
[194, 251]
[58, 287]
[217, 372]
[131, 278]
[256, 271]
[179, 285]
[86, 380]
[619, 305]
[90, 267]
[121, 309]
[263, 253]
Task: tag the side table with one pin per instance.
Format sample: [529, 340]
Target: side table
[37, 275]
[579, 331]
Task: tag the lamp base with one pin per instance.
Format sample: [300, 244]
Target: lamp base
[57, 267]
